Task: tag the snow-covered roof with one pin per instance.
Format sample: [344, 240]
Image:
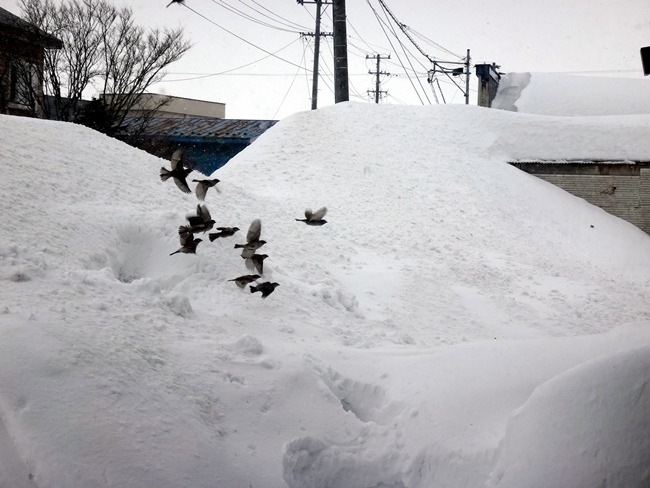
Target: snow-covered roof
[572, 95]
[576, 161]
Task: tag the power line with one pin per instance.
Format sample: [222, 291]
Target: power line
[286, 21]
[242, 39]
[236, 11]
[291, 85]
[360, 38]
[430, 42]
[233, 69]
[320, 74]
[408, 58]
[401, 26]
[393, 48]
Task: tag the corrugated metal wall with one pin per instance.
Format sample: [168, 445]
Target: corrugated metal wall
[618, 195]
[621, 188]
[644, 199]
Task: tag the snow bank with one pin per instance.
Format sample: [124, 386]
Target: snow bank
[589, 426]
[444, 410]
[404, 333]
[567, 95]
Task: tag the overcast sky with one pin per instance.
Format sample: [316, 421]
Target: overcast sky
[575, 36]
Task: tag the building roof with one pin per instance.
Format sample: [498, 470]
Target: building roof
[574, 161]
[7, 19]
[207, 128]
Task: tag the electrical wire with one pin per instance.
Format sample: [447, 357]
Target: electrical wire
[360, 38]
[309, 89]
[320, 71]
[291, 85]
[236, 11]
[430, 42]
[398, 100]
[391, 43]
[408, 58]
[242, 39]
[285, 21]
[233, 69]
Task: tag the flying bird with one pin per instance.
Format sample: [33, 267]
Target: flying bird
[265, 288]
[175, 1]
[179, 171]
[242, 281]
[256, 262]
[188, 244]
[253, 242]
[202, 222]
[202, 187]
[314, 218]
[223, 232]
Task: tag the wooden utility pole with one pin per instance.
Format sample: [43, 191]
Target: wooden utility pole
[377, 91]
[317, 35]
[341, 86]
[467, 74]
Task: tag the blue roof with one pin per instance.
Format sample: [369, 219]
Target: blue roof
[206, 128]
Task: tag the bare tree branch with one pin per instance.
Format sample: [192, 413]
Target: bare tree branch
[103, 49]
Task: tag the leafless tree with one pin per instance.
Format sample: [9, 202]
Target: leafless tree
[103, 50]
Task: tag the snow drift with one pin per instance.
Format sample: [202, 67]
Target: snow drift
[445, 288]
[586, 427]
[571, 95]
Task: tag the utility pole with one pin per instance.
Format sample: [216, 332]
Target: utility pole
[467, 73]
[451, 73]
[317, 35]
[341, 86]
[377, 91]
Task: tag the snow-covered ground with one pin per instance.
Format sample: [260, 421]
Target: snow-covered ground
[456, 323]
[572, 95]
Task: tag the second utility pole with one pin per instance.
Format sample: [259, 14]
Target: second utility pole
[377, 91]
[317, 35]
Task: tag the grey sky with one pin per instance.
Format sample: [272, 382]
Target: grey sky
[602, 38]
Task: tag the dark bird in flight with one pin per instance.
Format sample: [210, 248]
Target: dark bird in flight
[242, 281]
[179, 171]
[202, 187]
[202, 222]
[256, 262]
[188, 244]
[253, 242]
[265, 288]
[175, 1]
[314, 218]
[223, 232]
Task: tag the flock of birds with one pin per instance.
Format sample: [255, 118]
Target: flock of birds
[202, 222]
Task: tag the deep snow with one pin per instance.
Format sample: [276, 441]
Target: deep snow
[446, 290]
[572, 95]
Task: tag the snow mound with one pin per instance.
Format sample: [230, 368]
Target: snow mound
[567, 95]
[587, 427]
[123, 365]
